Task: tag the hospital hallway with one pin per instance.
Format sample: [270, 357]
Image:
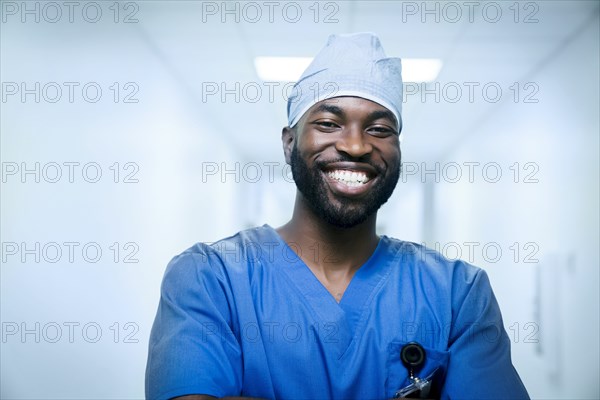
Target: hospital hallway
[130, 130]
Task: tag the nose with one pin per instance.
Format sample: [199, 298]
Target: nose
[353, 142]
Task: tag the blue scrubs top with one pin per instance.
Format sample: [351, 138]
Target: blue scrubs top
[246, 316]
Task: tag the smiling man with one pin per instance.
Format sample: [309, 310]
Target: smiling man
[324, 307]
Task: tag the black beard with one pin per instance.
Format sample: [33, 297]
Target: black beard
[345, 212]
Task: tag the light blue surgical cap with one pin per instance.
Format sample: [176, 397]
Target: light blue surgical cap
[349, 65]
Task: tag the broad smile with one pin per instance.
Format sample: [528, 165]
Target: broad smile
[349, 179]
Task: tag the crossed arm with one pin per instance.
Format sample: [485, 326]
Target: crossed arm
[207, 397]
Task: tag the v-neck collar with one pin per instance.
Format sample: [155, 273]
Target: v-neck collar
[352, 311]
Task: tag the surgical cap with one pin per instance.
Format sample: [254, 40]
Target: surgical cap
[349, 65]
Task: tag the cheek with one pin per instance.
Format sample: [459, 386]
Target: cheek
[312, 141]
[312, 145]
[390, 155]
[398, 158]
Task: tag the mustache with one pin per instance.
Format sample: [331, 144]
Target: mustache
[321, 164]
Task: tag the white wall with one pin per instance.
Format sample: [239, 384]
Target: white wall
[165, 211]
[558, 215]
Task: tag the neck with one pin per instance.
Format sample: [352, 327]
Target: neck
[326, 248]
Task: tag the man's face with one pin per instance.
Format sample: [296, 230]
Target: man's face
[345, 158]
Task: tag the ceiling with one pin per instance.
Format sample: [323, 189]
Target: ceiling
[472, 49]
[197, 48]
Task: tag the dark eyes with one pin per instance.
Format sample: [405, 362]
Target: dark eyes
[380, 131]
[326, 125]
[375, 130]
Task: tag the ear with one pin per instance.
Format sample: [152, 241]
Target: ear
[288, 136]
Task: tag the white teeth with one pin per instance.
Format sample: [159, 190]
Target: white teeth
[350, 178]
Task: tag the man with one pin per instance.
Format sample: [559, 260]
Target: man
[323, 307]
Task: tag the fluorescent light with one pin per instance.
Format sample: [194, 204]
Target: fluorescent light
[281, 68]
[420, 69]
[290, 68]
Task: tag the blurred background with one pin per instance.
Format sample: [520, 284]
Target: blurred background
[131, 130]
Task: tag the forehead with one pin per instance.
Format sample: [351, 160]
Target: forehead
[348, 104]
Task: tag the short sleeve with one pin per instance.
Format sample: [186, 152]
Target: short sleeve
[192, 349]
[480, 365]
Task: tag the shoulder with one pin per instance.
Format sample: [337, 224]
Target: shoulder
[430, 261]
[221, 258]
[454, 277]
[458, 287]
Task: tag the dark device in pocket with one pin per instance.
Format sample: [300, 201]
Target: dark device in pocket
[413, 357]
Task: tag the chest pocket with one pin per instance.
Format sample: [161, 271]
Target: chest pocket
[397, 373]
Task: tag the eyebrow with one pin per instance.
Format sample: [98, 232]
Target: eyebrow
[338, 111]
[382, 114]
[330, 109]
